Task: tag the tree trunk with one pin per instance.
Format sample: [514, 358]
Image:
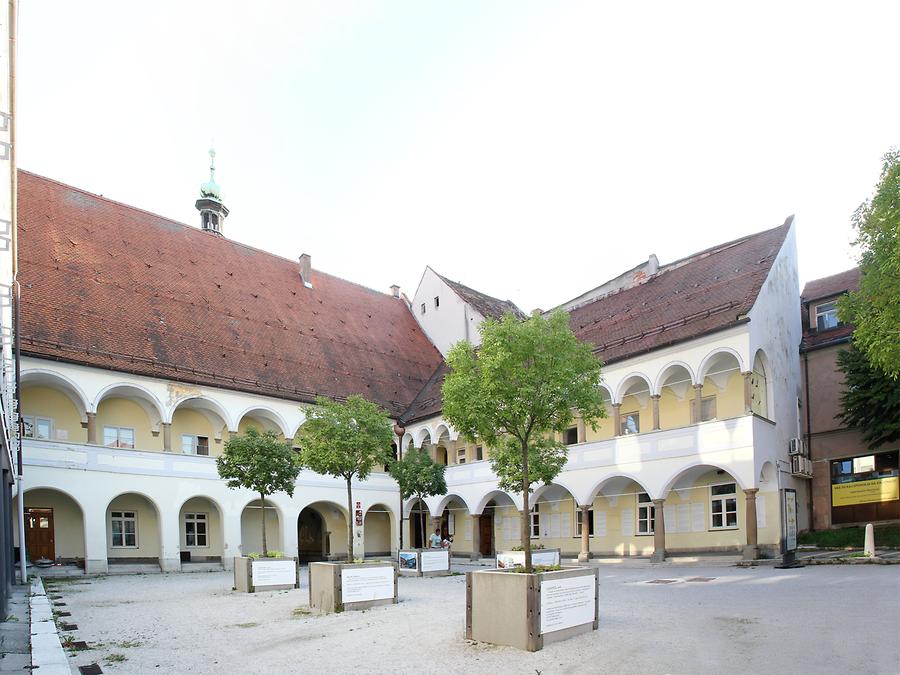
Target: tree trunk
[352, 519]
[526, 513]
[262, 499]
[422, 521]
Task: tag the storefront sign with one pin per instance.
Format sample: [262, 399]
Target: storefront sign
[274, 573]
[567, 602]
[359, 584]
[435, 561]
[865, 491]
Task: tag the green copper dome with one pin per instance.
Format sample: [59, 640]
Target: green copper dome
[210, 188]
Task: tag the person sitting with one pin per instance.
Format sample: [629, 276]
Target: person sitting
[447, 541]
[435, 539]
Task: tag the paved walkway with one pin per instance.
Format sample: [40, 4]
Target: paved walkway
[15, 631]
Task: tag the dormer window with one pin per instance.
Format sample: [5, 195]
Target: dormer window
[827, 316]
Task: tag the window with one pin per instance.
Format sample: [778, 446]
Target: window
[461, 456]
[723, 506]
[630, 423]
[646, 515]
[826, 315]
[437, 301]
[707, 409]
[867, 467]
[123, 525]
[37, 427]
[194, 445]
[535, 521]
[118, 437]
[479, 453]
[571, 436]
[423, 308]
[590, 522]
[195, 530]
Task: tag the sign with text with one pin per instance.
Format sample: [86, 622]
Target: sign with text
[790, 520]
[359, 584]
[510, 559]
[274, 573]
[435, 561]
[866, 491]
[567, 602]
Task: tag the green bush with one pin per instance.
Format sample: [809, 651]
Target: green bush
[886, 536]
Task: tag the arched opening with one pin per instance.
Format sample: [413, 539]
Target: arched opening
[322, 532]
[623, 516]
[377, 531]
[419, 522]
[553, 520]
[54, 527]
[497, 507]
[722, 394]
[605, 427]
[53, 408]
[262, 419]
[200, 533]
[705, 509]
[675, 389]
[129, 417]
[132, 531]
[759, 386]
[198, 427]
[634, 413]
[251, 528]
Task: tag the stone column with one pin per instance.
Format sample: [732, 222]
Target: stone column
[92, 427]
[476, 536]
[167, 436]
[585, 534]
[748, 392]
[659, 532]
[169, 538]
[95, 543]
[654, 401]
[698, 395]
[582, 429]
[617, 419]
[751, 550]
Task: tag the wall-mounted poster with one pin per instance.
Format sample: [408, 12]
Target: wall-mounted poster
[359, 584]
[407, 560]
[790, 520]
[435, 561]
[567, 602]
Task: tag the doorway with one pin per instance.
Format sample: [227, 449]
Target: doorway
[311, 539]
[486, 532]
[39, 539]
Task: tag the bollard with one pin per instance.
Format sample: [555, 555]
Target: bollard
[869, 549]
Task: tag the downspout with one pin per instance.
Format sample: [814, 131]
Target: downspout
[13, 201]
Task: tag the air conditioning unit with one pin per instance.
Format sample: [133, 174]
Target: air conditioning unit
[796, 447]
[801, 467]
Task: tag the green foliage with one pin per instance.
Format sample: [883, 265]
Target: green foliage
[345, 440]
[418, 475]
[870, 401]
[517, 391]
[259, 462]
[875, 309]
[886, 536]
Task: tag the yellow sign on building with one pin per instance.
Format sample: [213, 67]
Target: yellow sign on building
[865, 491]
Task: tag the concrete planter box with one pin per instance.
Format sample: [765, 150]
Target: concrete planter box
[424, 562]
[541, 556]
[265, 574]
[527, 611]
[339, 587]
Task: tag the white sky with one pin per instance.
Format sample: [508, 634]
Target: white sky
[531, 150]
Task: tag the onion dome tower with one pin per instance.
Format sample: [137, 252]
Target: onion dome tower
[212, 211]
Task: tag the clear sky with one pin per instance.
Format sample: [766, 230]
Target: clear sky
[531, 150]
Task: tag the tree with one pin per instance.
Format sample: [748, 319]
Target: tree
[419, 476]
[870, 401]
[516, 392]
[875, 308]
[259, 462]
[346, 440]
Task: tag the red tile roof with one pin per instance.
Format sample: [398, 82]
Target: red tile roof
[820, 289]
[108, 285]
[705, 292]
[489, 306]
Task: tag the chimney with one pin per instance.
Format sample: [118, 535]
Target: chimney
[305, 270]
[395, 291]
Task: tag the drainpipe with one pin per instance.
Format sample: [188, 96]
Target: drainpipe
[14, 196]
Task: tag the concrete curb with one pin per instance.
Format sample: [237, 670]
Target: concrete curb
[46, 650]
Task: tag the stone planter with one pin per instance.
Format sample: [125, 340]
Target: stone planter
[265, 574]
[541, 556]
[424, 562]
[527, 611]
[338, 587]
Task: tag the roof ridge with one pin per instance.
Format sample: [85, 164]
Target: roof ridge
[191, 228]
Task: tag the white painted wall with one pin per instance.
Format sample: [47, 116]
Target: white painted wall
[452, 322]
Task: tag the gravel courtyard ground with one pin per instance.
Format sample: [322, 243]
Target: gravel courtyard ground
[833, 619]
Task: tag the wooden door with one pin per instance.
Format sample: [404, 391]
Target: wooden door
[39, 534]
[486, 534]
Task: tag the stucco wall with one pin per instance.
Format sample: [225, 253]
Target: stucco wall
[148, 542]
